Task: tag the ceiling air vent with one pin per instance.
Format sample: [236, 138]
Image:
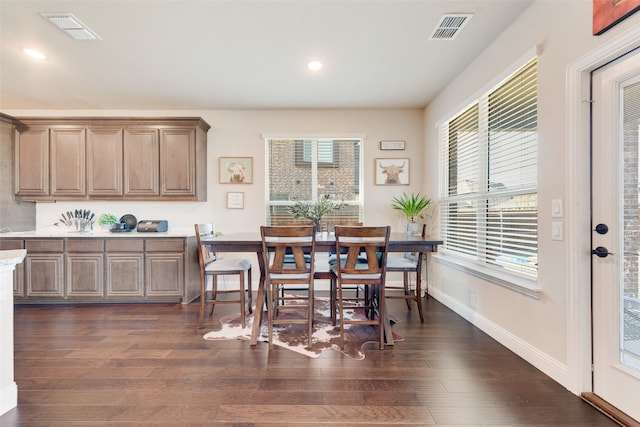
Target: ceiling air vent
[70, 25]
[449, 26]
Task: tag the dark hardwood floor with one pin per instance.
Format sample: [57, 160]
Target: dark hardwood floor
[147, 365]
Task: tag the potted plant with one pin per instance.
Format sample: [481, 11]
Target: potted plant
[106, 221]
[315, 211]
[412, 206]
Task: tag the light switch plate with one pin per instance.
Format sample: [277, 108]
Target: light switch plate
[557, 208]
[557, 230]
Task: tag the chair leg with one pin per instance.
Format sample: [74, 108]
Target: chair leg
[419, 294]
[310, 318]
[270, 313]
[242, 307]
[341, 313]
[250, 292]
[407, 291]
[381, 315]
[203, 301]
[214, 293]
[333, 302]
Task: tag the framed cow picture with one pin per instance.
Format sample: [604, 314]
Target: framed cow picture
[236, 170]
[392, 171]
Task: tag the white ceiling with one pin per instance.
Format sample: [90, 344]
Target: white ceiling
[236, 54]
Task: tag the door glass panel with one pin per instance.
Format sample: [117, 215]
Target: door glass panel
[630, 321]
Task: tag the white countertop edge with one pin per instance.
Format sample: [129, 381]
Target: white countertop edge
[67, 232]
[12, 257]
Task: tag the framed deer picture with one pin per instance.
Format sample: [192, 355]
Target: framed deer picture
[392, 171]
[236, 170]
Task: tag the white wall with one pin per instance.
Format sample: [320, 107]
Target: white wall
[536, 329]
[238, 133]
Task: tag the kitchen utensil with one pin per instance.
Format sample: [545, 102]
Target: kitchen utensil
[130, 220]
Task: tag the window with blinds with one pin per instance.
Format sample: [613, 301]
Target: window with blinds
[307, 169]
[489, 157]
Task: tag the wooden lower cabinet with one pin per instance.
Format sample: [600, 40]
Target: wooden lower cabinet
[44, 275]
[84, 275]
[84, 268]
[165, 274]
[92, 270]
[164, 265]
[124, 275]
[44, 268]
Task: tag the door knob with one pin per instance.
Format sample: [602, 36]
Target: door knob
[601, 252]
[602, 229]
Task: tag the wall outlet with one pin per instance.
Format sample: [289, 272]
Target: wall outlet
[473, 300]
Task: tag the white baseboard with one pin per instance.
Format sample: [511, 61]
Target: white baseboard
[555, 369]
[8, 397]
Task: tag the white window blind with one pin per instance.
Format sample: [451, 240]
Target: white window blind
[309, 168]
[489, 155]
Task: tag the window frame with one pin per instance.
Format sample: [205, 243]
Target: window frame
[476, 261]
[355, 208]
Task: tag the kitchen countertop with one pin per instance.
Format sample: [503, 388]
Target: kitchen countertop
[68, 232]
[14, 256]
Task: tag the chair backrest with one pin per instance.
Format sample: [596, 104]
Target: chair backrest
[289, 252]
[203, 231]
[352, 243]
[332, 225]
[415, 256]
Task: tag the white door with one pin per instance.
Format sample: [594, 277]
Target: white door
[616, 234]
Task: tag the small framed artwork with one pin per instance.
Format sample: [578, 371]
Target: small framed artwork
[392, 171]
[392, 145]
[236, 170]
[235, 200]
[607, 13]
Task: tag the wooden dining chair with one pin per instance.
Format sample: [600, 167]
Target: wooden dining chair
[351, 243]
[212, 267]
[289, 260]
[410, 263]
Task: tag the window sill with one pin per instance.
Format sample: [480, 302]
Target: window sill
[517, 284]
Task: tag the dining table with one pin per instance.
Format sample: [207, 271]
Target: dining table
[325, 242]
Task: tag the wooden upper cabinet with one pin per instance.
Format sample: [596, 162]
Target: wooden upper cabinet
[104, 162]
[111, 158]
[141, 162]
[32, 162]
[178, 162]
[68, 162]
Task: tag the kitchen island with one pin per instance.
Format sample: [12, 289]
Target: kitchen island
[66, 266]
[9, 260]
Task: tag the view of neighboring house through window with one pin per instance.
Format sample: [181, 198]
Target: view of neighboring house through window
[309, 168]
[489, 155]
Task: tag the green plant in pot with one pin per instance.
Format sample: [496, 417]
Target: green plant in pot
[106, 220]
[413, 207]
[315, 211]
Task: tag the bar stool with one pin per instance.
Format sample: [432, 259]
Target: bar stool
[411, 262]
[212, 267]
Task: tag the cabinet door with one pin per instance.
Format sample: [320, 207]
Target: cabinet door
[165, 274]
[44, 275]
[32, 162]
[178, 162]
[68, 162]
[104, 162]
[125, 275]
[141, 162]
[85, 275]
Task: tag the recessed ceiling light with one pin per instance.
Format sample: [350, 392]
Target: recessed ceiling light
[34, 53]
[314, 65]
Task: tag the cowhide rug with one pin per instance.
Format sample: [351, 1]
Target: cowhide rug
[294, 337]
